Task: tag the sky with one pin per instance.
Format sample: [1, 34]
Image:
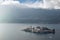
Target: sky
[30, 11]
[45, 4]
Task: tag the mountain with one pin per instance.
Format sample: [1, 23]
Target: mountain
[14, 14]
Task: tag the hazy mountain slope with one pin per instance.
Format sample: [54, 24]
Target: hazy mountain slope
[29, 15]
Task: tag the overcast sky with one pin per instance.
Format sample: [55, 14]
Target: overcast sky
[48, 4]
[33, 10]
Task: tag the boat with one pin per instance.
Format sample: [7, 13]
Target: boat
[39, 29]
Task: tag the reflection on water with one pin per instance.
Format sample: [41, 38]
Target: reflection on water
[12, 31]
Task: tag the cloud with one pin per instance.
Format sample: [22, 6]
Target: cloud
[52, 4]
[12, 14]
[45, 4]
[12, 4]
[9, 2]
[48, 4]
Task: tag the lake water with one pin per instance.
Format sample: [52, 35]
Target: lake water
[12, 31]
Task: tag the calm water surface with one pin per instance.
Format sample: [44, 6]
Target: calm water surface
[12, 31]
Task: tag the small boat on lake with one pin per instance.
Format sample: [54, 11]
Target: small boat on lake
[39, 29]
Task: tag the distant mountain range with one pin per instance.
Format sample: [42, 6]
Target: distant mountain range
[28, 15]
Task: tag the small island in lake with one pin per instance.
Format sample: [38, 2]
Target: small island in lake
[39, 29]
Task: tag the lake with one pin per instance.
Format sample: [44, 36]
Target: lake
[13, 31]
